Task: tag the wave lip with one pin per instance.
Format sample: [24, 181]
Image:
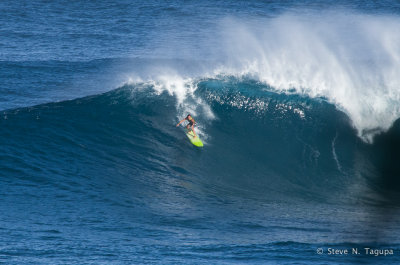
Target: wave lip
[351, 59]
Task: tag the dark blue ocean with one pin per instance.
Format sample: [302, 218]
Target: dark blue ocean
[297, 103]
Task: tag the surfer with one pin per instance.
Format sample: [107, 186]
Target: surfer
[190, 125]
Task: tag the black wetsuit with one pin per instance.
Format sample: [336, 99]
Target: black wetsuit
[191, 122]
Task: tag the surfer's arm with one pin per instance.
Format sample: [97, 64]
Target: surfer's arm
[180, 122]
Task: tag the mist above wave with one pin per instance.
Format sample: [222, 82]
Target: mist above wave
[352, 60]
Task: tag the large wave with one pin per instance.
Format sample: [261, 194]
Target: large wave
[258, 143]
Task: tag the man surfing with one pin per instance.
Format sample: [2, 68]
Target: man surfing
[190, 125]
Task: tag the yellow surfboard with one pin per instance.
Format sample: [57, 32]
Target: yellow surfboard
[195, 140]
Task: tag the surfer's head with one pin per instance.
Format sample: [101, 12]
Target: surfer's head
[188, 115]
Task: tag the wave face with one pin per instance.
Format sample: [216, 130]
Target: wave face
[257, 141]
[117, 164]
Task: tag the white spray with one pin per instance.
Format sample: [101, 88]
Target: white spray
[352, 60]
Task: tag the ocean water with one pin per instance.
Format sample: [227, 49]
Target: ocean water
[297, 103]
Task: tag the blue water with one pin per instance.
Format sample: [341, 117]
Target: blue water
[297, 103]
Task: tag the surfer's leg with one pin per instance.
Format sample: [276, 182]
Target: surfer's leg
[192, 128]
